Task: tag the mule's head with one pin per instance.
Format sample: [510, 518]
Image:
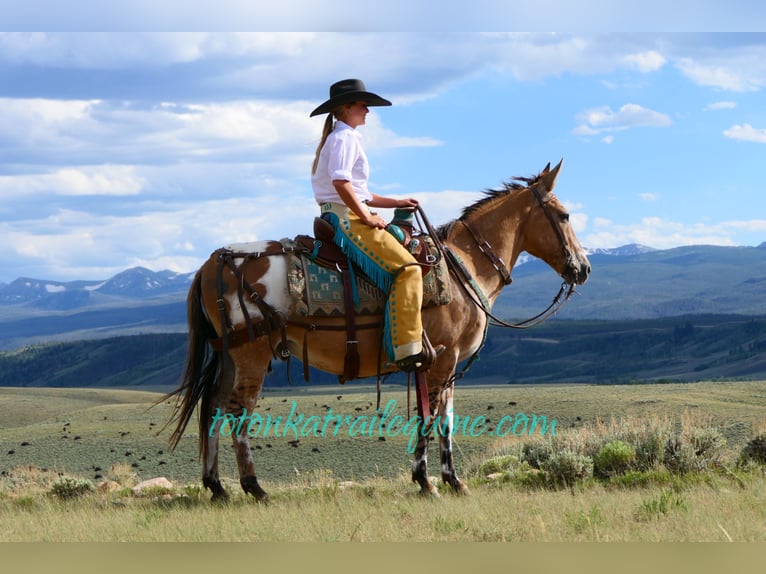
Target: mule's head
[548, 233]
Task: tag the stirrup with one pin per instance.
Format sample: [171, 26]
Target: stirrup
[423, 360]
[416, 362]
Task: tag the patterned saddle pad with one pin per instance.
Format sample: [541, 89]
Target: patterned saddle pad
[317, 291]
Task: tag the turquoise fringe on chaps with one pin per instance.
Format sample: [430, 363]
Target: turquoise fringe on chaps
[383, 259]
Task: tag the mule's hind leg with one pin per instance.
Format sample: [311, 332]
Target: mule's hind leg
[446, 426]
[251, 361]
[210, 476]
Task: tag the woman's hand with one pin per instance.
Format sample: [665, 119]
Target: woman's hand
[410, 202]
[374, 220]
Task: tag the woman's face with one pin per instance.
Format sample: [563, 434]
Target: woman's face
[355, 114]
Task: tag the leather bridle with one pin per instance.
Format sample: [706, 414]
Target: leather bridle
[468, 284]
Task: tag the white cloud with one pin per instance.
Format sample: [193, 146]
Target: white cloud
[648, 196]
[604, 119]
[664, 234]
[644, 62]
[72, 244]
[119, 50]
[83, 181]
[720, 106]
[40, 125]
[721, 75]
[746, 132]
[82, 132]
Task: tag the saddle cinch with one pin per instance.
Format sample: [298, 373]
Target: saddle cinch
[359, 295]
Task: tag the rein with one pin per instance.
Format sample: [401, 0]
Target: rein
[474, 292]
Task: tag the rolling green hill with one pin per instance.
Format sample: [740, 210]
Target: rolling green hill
[693, 347]
[141, 360]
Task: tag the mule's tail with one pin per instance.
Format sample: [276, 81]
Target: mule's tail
[200, 374]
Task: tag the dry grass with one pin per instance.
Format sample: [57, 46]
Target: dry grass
[320, 508]
[314, 502]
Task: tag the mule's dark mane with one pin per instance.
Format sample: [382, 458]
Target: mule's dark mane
[513, 185]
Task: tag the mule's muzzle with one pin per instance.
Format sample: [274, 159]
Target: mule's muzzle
[577, 271]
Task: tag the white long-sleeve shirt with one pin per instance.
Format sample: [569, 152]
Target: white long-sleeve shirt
[342, 158]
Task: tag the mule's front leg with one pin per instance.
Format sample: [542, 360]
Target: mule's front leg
[446, 424]
[420, 460]
[420, 465]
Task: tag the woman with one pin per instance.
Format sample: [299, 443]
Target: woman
[339, 179]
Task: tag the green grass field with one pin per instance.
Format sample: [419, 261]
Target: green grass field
[113, 434]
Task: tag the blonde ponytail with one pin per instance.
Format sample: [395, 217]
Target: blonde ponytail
[326, 130]
[329, 125]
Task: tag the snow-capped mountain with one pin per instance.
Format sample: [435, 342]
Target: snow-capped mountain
[25, 289]
[135, 283]
[141, 282]
[622, 251]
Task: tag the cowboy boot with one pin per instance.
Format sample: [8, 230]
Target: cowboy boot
[423, 360]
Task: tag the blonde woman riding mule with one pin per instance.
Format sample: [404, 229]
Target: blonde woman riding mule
[339, 177]
[241, 314]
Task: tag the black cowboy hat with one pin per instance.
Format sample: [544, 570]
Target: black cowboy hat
[347, 91]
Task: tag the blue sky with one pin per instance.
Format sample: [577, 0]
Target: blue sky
[153, 149]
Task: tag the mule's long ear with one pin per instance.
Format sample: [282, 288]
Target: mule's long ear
[549, 176]
[556, 169]
[546, 169]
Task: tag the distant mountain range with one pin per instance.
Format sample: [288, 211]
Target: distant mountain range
[629, 282]
[635, 282]
[624, 250]
[135, 283]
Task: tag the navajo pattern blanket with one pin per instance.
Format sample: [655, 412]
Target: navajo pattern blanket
[317, 291]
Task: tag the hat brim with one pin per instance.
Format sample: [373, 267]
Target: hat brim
[367, 97]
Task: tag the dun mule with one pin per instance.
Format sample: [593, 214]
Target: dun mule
[483, 246]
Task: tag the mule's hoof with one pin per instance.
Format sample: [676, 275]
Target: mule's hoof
[431, 494]
[250, 486]
[220, 497]
[461, 490]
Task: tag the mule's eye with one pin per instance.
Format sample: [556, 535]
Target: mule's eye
[564, 217]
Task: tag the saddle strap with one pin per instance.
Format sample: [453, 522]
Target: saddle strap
[421, 393]
[351, 360]
[271, 318]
